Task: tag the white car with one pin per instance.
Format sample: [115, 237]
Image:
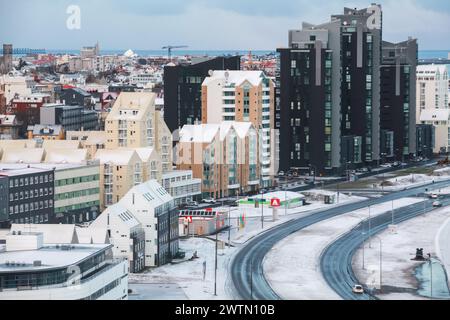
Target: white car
[437, 204]
[434, 196]
[358, 289]
[210, 200]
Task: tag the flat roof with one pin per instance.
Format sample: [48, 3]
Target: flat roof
[50, 256]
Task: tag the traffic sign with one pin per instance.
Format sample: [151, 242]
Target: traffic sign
[275, 202]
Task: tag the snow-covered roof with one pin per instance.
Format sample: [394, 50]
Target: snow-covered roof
[53, 233]
[130, 54]
[51, 256]
[153, 193]
[125, 215]
[7, 119]
[236, 77]
[22, 155]
[60, 144]
[131, 106]
[435, 115]
[205, 133]
[117, 156]
[145, 153]
[17, 144]
[92, 235]
[202, 133]
[66, 156]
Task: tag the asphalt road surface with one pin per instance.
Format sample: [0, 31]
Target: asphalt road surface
[336, 260]
[246, 271]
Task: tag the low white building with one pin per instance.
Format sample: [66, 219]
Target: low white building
[440, 119]
[182, 186]
[33, 270]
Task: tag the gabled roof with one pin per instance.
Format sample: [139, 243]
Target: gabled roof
[236, 77]
[146, 153]
[92, 235]
[201, 133]
[22, 155]
[60, 144]
[151, 191]
[116, 157]
[66, 155]
[53, 233]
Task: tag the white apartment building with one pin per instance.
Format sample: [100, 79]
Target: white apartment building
[125, 234]
[244, 96]
[17, 86]
[432, 88]
[155, 209]
[182, 186]
[33, 270]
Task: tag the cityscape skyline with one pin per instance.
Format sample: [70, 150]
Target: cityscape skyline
[181, 22]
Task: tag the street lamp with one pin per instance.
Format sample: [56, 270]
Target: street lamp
[381, 262]
[262, 208]
[431, 275]
[315, 169]
[364, 243]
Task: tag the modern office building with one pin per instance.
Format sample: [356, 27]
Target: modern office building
[182, 186]
[30, 194]
[183, 89]
[32, 270]
[71, 118]
[244, 96]
[425, 140]
[398, 100]
[76, 97]
[328, 93]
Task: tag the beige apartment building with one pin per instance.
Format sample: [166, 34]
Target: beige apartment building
[120, 170]
[224, 156]
[135, 123]
[245, 96]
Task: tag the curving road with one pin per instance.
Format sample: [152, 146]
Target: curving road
[336, 259]
[246, 269]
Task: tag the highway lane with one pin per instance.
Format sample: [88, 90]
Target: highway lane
[246, 269]
[336, 259]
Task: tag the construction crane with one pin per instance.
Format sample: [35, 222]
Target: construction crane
[170, 48]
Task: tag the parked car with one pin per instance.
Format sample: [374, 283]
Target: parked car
[281, 174]
[434, 196]
[192, 203]
[437, 204]
[386, 165]
[358, 289]
[209, 200]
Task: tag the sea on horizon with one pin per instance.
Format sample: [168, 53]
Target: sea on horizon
[423, 54]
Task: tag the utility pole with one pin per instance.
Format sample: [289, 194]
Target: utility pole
[215, 267]
[262, 209]
[285, 201]
[393, 213]
[251, 279]
[370, 231]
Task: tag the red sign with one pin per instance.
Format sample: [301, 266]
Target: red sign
[275, 202]
[189, 219]
[208, 209]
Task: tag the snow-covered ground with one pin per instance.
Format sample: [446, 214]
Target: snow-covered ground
[411, 181]
[397, 251]
[188, 275]
[293, 266]
[442, 244]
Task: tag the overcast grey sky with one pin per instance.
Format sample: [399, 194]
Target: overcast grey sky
[204, 24]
